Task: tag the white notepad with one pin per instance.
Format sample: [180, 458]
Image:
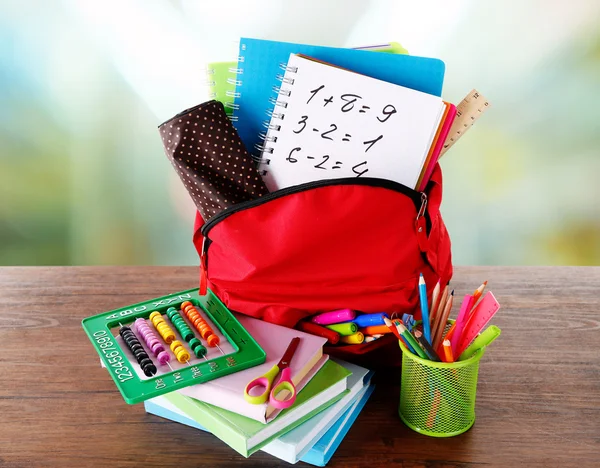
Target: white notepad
[332, 123]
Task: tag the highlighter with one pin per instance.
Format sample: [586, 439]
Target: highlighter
[314, 329]
[484, 339]
[357, 338]
[376, 330]
[368, 320]
[344, 329]
[337, 316]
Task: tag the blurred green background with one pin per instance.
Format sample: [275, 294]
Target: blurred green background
[84, 84]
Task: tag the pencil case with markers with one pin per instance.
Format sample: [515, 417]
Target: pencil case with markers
[357, 243]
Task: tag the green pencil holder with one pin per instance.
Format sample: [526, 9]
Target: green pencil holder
[437, 398]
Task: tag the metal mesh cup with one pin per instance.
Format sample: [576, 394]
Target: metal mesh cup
[437, 398]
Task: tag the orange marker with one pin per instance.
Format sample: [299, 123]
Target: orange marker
[376, 329]
[447, 345]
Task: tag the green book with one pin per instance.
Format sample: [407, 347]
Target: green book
[222, 76]
[246, 435]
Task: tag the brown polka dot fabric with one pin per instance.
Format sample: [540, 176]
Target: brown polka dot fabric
[211, 159]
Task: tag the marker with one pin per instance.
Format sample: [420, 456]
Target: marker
[368, 320]
[424, 308]
[344, 329]
[336, 316]
[484, 339]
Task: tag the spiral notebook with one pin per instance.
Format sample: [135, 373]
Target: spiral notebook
[332, 123]
[258, 67]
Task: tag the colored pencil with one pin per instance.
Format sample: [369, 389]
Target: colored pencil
[448, 357]
[424, 308]
[438, 315]
[431, 354]
[476, 295]
[410, 339]
[434, 303]
[394, 330]
[443, 320]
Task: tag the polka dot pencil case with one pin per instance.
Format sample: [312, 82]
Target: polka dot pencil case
[210, 158]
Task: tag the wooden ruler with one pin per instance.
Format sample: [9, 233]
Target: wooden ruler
[467, 112]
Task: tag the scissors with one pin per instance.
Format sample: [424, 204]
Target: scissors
[266, 381]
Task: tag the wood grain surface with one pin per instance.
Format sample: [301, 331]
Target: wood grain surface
[538, 401]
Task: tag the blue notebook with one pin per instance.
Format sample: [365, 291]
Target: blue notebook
[318, 455]
[260, 63]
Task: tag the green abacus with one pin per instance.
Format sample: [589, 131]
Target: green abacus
[135, 389]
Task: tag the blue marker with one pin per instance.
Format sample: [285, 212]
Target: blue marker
[368, 320]
[424, 308]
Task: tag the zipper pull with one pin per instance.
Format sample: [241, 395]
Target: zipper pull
[421, 225]
[203, 274]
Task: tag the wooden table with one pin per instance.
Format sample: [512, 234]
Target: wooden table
[538, 398]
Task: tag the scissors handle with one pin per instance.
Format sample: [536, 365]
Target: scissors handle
[285, 384]
[265, 381]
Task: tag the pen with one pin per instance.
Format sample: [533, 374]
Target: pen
[424, 308]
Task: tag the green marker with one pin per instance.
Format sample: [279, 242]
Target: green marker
[344, 329]
[484, 339]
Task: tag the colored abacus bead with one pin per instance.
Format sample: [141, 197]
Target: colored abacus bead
[186, 332]
[200, 324]
[162, 327]
[197, 347]
[179, 351]
[138, 351]
[152, 341]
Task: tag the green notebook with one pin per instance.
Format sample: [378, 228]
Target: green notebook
[246, 435]
[222, 76]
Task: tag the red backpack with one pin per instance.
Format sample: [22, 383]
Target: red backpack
[357, 243]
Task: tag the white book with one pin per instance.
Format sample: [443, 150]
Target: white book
[332, 123]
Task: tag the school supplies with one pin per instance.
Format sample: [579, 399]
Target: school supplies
[344, 329]
[410, 339]
[424, 308]
[377, 330]
[447, 347]
[434, 304]
[341, 124]
[467, 112]
[461, 321]
[409, 321]
[484, 339]
[368, 320]
[246, 435]
[313, 440]
[210, 159]
[145, 363]
[314, 329]
[356, 338]
[336, 316]
[431, 354]
[436, 146]
[369, 338]
[479, 292]
[221, 81]
[228, 392]
[479, 318]
[284, 384]
[443, 320]
[260, 61]
[222, 77]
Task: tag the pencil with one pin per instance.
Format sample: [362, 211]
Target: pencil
[424, 308]
[411, 340]
[443, 321]
[431, 354]
[439, 313]
[479, 292]
[395, 331]
[448, 357]
[434, 303]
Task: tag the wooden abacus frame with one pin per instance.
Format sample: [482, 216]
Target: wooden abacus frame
[247, 353]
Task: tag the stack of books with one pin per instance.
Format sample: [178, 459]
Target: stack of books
[331, 394]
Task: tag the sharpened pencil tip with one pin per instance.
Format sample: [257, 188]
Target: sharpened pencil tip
[452, 293]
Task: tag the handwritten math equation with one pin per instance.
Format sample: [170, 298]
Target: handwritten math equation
[346, 103]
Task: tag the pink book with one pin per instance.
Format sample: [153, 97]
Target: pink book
[228, 392]
[438, 146]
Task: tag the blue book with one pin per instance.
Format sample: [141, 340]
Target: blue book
[318, 455]
[323, 450]
[260, 69]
